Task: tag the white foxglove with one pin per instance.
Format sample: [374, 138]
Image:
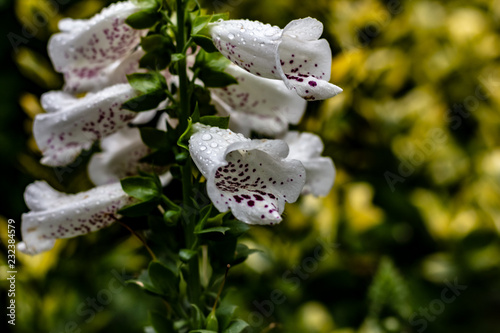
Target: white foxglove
[257, 104]
[320, 171]
[91, 52]
[252, 178]
[72, 124]
[120, 157]
[56, 215]
[293, 54]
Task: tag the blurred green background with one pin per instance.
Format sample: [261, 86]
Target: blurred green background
[407, 240]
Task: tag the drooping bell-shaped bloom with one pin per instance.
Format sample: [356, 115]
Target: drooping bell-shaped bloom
[320, 171]
[252, 178]
[90, 52]
[72, 124]
[257, 104]
[120, 158]
[293, 54]
[56, 215]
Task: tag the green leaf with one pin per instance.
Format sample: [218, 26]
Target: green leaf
[164, 278]
[212, 322]
[147, 82]
[186, 254]
[221, 122]
[154, 138]
[224, 314]
[195, 117]
[205, 214]
[161, 323]
[171, 217]
[242, 253]
[145, 102]
[178, 56]
[200, 22]
[236, 326]
[156, 42]
[184, 138]
[205, 42]
[214, 229]
[388, 290]
[216, 79]
[217, 220]
[155, 60]
[160, 157]
[202, 331]
[212, 66]
[144, 19]
[237, 228]
[197, 316]
[142, 188]
[144, 282]
[138, 209]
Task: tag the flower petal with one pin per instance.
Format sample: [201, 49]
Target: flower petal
[294, 54]
[108, 75]
[320, 171]
[59, 215]
[84, 48]
[62, 134]
[306, 61]
[250, 177]
[252, 45]
[263, 105]
[120, 157]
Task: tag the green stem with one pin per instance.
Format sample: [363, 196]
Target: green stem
[183, 80]
[193, 281]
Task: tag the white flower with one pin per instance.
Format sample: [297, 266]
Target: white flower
[263, 105]
[56, 215]
[250, 177]
[97, 52]
[294, 54]
[320, 171]
[72, 124]
[120, 157]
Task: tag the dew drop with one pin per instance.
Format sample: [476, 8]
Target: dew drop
[230, 36]
[213, 144]
[202, 148]
[206, 137]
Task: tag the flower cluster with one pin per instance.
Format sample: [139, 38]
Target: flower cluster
[276, 71]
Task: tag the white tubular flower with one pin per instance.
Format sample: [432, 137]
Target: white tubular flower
[320, 171]
[88, 52]
[250, 177]
[56, 215]
[120, 157]
[72, 124]
[263, 105]
[294, 54]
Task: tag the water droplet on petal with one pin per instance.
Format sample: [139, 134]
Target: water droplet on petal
[206, 137]
[230, 36]
[213, 144]
[202, 148]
